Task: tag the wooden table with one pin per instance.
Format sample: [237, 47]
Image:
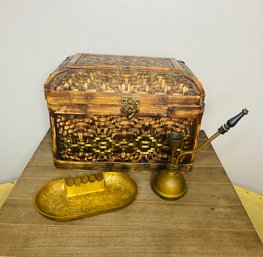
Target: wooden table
[208, 221]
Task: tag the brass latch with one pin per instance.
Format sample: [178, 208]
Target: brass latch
[130, 106]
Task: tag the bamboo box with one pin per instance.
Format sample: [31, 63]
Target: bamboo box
[114, 112]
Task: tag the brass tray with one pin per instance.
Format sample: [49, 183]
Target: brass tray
[73, 198]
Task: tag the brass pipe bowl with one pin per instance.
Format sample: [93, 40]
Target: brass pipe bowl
[73, 198]
[169, 185]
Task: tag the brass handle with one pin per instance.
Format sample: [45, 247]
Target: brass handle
[130, 106]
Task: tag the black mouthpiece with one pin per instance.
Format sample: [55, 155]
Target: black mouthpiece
[232, 122]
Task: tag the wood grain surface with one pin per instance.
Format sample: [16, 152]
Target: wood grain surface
[208, 221]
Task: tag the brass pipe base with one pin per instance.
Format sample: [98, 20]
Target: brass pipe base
[169, 184]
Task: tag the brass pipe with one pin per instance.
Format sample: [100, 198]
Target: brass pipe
[170, 183]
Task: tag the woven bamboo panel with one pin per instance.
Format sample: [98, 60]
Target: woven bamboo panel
[91, 59]
[117, 139]
[131, 82]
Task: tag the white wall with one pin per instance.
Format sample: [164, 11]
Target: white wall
[221, 41]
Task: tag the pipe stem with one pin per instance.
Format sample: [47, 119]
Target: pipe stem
[199, 148]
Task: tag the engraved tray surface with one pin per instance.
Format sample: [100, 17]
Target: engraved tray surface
[72, 198]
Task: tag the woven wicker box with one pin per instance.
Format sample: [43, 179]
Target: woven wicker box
[114, 112]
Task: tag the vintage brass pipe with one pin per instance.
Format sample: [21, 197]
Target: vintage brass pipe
[170, 183]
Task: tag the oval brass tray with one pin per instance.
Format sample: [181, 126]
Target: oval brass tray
[73, 198]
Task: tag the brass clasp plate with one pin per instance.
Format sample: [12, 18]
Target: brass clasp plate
[130, 106]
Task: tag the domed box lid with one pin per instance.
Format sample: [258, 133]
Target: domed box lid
[104, 79]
